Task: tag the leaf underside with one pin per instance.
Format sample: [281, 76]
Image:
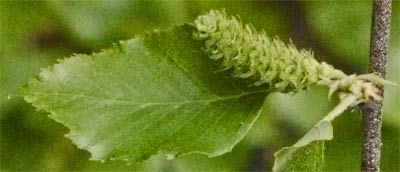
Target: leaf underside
[307, 154]
[307, 158]
[155, 94]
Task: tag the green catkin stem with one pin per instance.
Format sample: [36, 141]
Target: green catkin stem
[270, 62]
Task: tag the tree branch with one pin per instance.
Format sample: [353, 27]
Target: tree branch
[372, 119]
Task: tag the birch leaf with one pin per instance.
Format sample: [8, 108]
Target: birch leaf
[155, 94]
[307, 154]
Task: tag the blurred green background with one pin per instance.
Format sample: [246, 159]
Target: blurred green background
[34, 34]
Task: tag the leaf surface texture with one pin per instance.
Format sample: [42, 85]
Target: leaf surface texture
[155, 94]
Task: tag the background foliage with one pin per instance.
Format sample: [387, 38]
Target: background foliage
[36, 34]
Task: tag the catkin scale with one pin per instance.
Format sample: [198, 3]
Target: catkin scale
[272, 63]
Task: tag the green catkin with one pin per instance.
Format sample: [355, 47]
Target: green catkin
[270, 62]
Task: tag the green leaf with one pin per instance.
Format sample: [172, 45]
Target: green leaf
[307, 158]
[155, 94]
[307, 154]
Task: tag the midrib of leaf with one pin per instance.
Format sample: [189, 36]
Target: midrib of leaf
[145, 104]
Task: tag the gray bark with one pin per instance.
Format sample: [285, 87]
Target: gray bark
[372, 119]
